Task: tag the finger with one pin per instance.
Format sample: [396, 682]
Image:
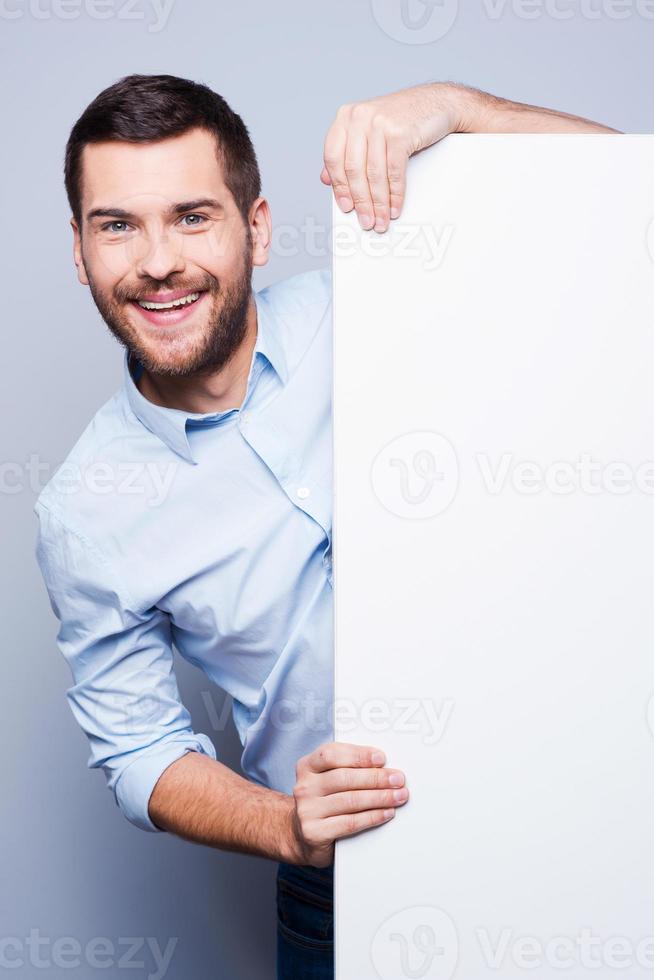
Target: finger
[324, 176]
[396, 163]
[377, 173]
[356, 154]
[341, 780]
[355, 801]
[333, 755]
[352, 823]
[334, 157]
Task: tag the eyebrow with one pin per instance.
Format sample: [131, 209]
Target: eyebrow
[174, 209]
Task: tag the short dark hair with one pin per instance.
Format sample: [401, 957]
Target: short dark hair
[144, 108]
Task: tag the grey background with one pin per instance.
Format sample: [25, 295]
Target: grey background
[71, 864]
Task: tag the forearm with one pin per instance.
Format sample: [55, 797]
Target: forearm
[479, 112]
[378, 137]
[204, 801]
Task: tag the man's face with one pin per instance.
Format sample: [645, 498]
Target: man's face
[159, 226]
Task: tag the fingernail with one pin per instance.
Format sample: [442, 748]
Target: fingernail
[396, 779]
[378, 758]
[380, 225]
[395, 212]
[345, 203]
[388, 814]
[400, 794]
[366, 221]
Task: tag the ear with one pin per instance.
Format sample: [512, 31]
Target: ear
[77, 253]
[261, 231]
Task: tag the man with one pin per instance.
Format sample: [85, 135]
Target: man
[195, 508]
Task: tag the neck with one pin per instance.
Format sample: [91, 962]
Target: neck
[202, 393]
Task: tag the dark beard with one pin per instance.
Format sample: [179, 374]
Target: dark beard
[223, 336]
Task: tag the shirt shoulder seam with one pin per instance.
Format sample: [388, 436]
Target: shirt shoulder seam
[90, 545]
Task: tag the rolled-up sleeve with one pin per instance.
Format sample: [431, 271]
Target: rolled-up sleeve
[125, 695]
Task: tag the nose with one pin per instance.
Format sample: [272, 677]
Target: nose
[161, 256]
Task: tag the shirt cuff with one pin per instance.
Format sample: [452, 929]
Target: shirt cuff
[136, 783]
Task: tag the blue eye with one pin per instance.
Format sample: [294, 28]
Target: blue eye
[200, 219]
[110, 226]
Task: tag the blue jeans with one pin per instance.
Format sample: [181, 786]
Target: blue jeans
[305, 922]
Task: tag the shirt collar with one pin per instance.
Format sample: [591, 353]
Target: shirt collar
[169, 424]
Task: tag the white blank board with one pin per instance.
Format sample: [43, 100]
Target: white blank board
[494, 559]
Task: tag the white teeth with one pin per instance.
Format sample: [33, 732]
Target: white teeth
[190, 298]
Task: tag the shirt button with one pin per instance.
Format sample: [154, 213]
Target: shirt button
[303, 492]
[245, 417]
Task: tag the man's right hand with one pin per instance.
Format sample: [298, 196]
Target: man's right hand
[340, 790]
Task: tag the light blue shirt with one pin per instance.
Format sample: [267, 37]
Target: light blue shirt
[213, 532]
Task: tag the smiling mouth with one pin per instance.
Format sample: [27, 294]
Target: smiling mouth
[173, 305]
[170, 312]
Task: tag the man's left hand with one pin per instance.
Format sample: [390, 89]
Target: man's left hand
[369, 143]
